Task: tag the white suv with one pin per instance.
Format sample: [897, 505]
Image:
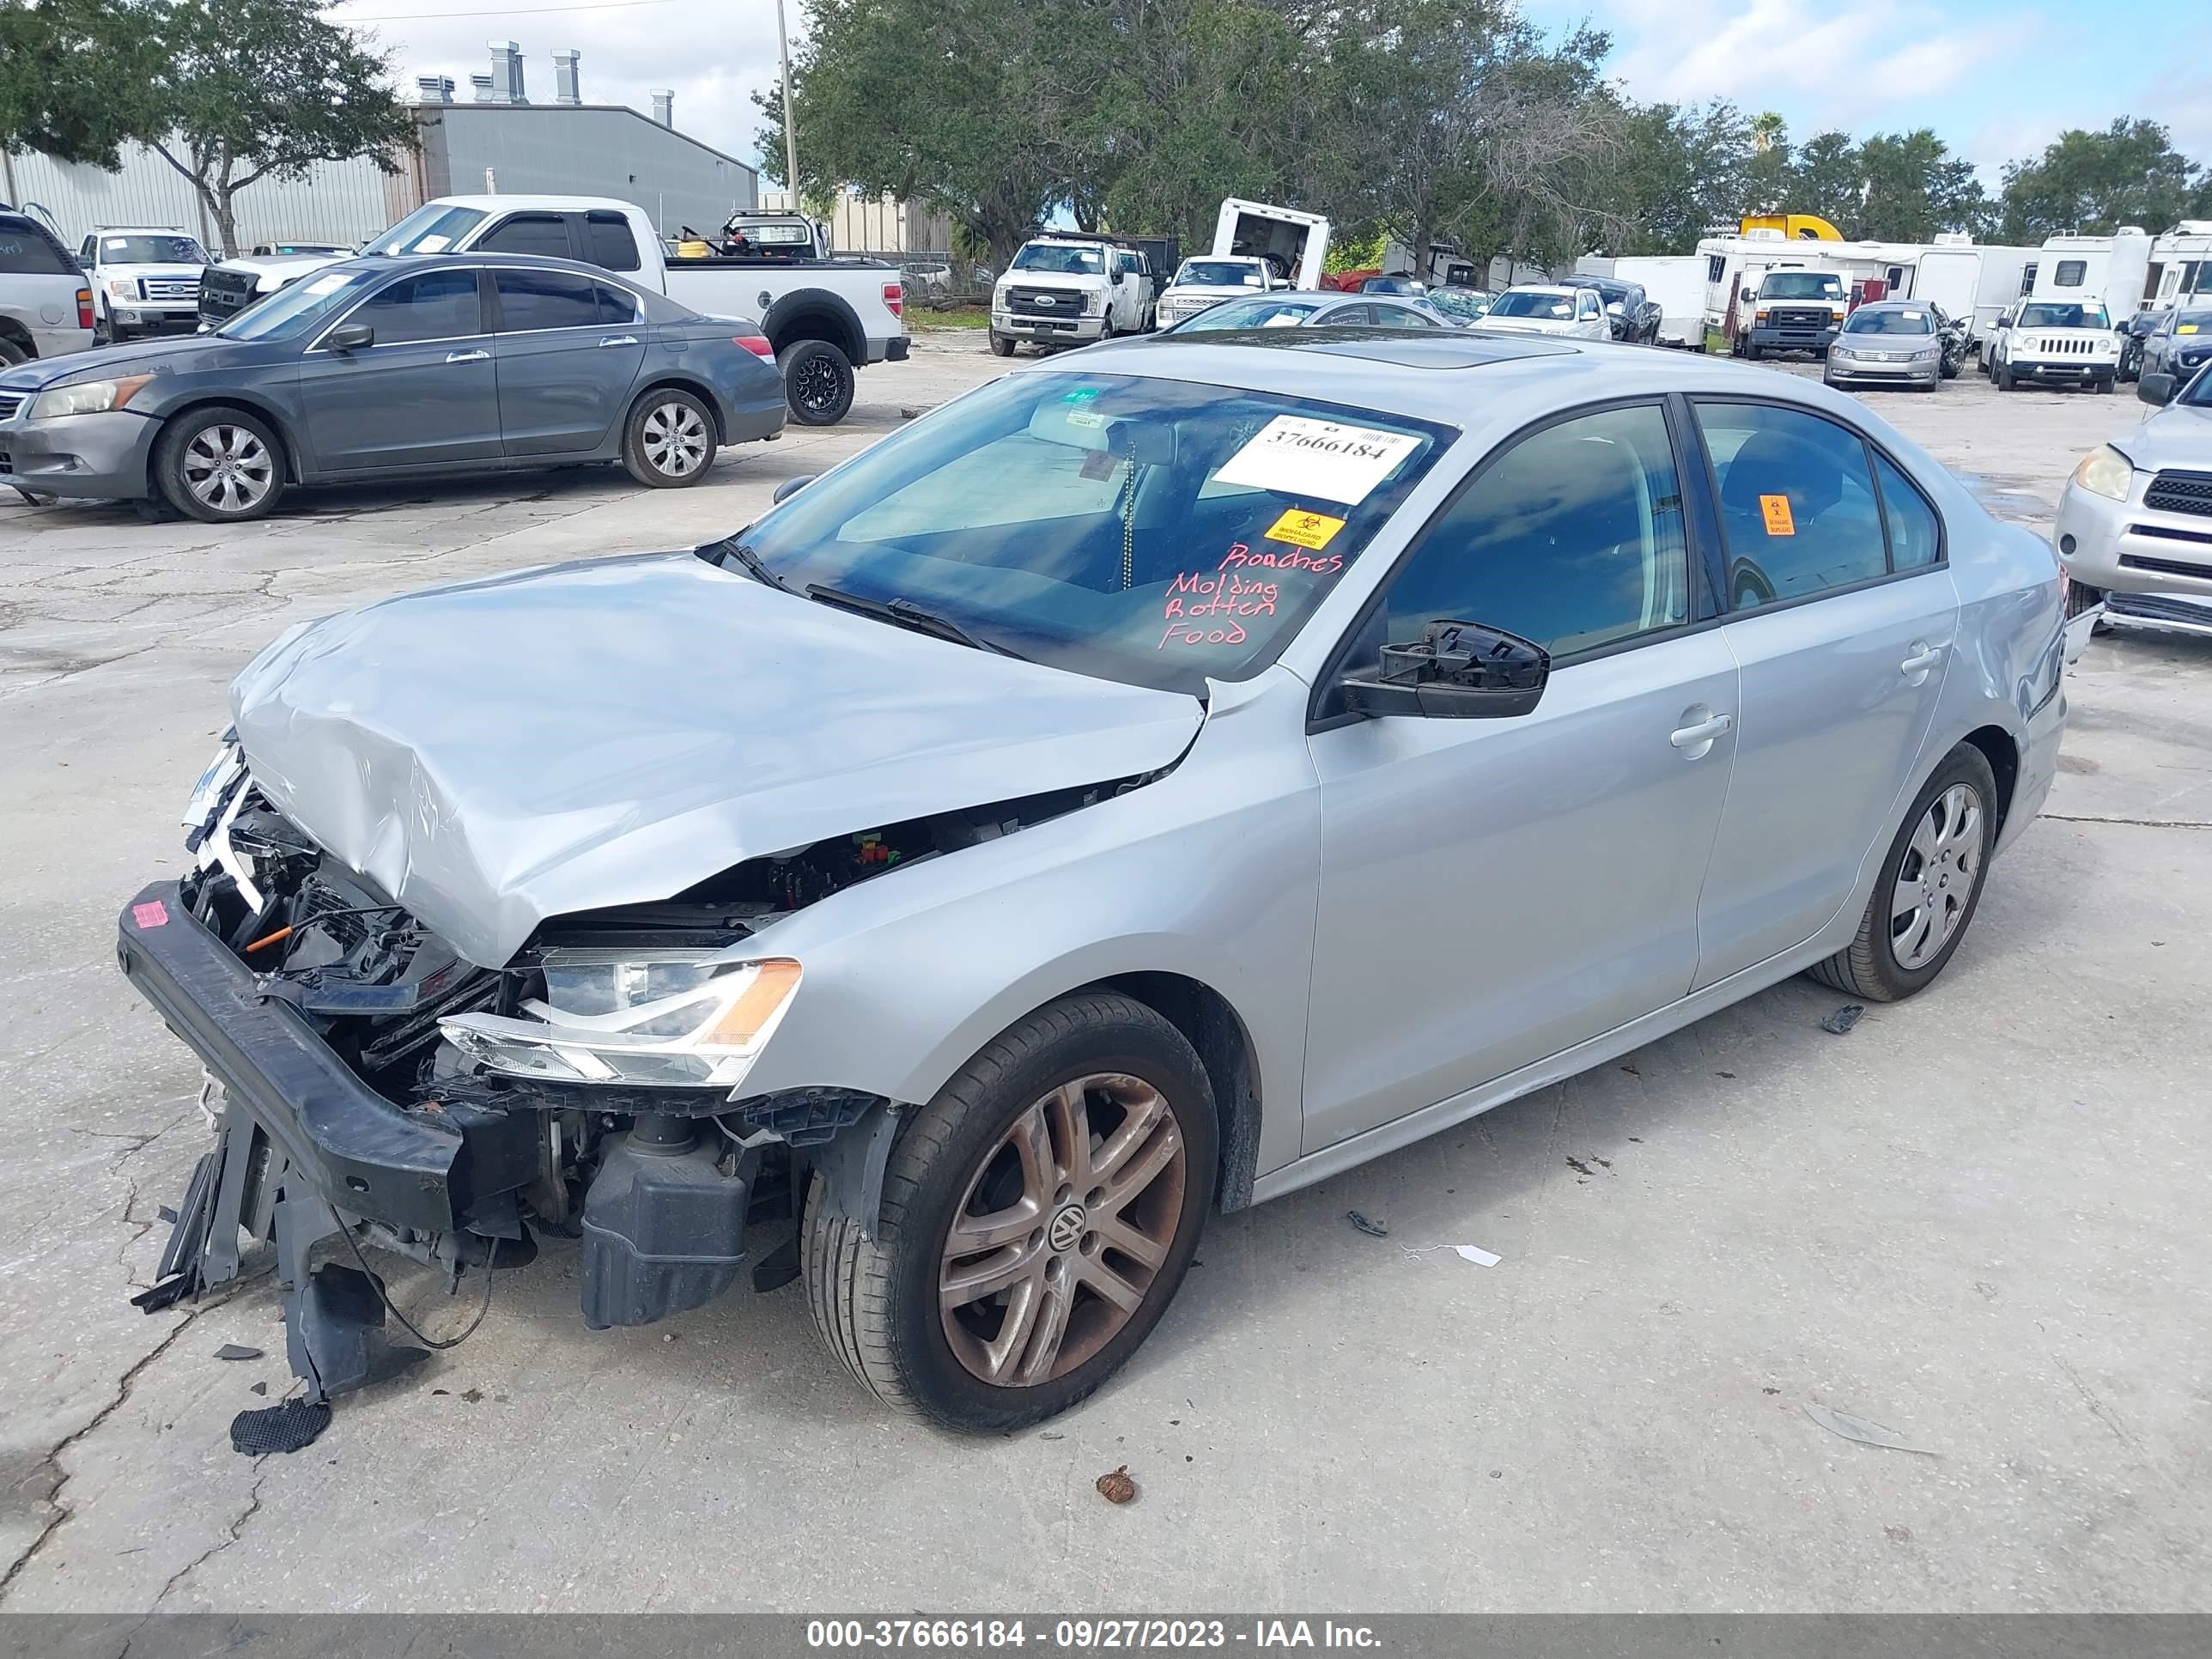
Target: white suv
[144, 281]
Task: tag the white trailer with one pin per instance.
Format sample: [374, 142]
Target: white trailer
[1292, 241]
[1676, 281]
[2180, 267]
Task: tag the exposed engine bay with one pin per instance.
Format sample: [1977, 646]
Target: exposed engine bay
[589, 1089]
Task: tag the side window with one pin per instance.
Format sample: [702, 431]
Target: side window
[439, 305]
[1401, 317]
[1358, 316]
[2071, 273]
[530, 300]
[2027, 278]
[1572, 538]
[529, 233]
[607, 237]
[618, 305]
[1716, 267]
[1798, 505]
[24, 253]
[1915, 538]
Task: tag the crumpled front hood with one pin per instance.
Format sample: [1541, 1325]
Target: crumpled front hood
[494, 753]
[2178, 435]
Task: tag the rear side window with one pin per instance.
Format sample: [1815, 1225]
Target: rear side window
[608, 240]
[618, 305]
[532, 299]
[27, 250]
[1916, 539]
[530, 232]
[439, 305]
[1572, 538]
[1797, 503]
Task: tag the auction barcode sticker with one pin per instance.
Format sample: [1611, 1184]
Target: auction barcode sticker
[1300, 456]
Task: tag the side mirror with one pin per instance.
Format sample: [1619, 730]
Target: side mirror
[791, 487]
[1458, 671]
[2155, 388]
[349, 337]
[1747, 296]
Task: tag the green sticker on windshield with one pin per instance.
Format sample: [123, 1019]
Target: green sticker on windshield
[1082, 394]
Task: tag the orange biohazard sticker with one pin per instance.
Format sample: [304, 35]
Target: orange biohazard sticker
[1302, 529]
[1776, 509]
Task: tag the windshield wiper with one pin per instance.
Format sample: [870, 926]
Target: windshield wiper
[907, 614]
[753, 565]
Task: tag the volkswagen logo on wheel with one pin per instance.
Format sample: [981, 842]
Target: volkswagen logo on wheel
[1066, 1229]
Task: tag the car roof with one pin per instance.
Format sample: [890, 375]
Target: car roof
[536, 203]
[1547, 288]
[1460, 377]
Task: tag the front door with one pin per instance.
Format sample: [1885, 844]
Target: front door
[1844, 619]
[1495, 891]
[420, 393]
[570, 349]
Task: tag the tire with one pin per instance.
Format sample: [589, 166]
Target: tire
[1000, 345]
[2003, 376]
[818, 380]
[877, 1302]
[2104, 385]
[1750, 349]
[11, 354]
[1105, 331]
[668, 442]
[190, 471]
[1955, 811]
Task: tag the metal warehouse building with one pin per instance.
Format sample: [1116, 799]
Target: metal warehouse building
[499, 141]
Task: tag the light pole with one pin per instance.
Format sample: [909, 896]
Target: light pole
[790, 117]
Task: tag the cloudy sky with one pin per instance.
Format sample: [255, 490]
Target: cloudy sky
[1997, 81]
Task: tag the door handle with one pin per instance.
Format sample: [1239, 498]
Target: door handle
[1695, 737]
[619, 340]
[1923, 658]
[466, 356]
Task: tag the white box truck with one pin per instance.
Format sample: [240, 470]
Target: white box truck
[1294, 243]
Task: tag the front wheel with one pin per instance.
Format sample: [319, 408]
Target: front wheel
[669, 439]
[1927, 887]
[1750, 349]
[2003, 376]
[1000, 345]
[1038, 1218]
[219, 465]
[818, 380]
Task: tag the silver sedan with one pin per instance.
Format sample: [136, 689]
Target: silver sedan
[1318, 308]
[1169, 775]
[1888, 342]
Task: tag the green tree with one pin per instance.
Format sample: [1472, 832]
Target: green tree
[2093, 183]
[1766, 174]
[1912, 188]
[250, 89]
[73, 78]
[1825, 178]
[1681, 171]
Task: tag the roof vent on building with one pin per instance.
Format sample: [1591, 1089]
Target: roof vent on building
[434, 88]
[565, 78]
[506, 73]
[663, 106]
[481, 85]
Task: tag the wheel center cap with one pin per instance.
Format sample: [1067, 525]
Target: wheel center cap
[1066, 1229]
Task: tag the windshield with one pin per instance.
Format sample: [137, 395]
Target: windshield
[1252, 313]
[1060, 256]
[1525, 302]
[2197, 393]
[429, 230]
[2193, 322]
[2054, 314]
[1152, 531]
[1220, 273]
[1800, 285]
[304, 303]
[1460, 301]
[1916, 321]
[151, 251]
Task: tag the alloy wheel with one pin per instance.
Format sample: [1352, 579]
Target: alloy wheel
[229, 469]
[1935, 880]
[674, 439]
[1061, 1230]
[815, 384]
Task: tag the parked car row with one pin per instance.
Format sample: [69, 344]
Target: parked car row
[2134, 520]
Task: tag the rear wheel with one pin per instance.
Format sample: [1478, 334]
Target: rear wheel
[1929, 887]
[1038, 1218]
[669, 439]
[817, 379]
[219, 465]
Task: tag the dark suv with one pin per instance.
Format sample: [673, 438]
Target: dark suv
[1632, 314]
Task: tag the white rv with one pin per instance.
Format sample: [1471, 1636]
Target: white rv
[2180, 267]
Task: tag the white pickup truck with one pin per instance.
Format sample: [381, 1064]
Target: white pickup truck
[825, 317]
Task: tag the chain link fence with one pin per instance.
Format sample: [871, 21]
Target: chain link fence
[937, 281]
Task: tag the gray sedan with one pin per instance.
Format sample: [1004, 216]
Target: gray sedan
[1888, 342]
[385, 367]
[1167, 776]
[1318, 308]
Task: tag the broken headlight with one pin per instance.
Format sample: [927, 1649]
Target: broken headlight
[646, 1018]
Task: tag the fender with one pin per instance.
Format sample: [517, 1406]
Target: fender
[795, 306]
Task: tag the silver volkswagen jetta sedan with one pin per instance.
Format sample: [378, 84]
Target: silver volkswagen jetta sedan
[1165, 777]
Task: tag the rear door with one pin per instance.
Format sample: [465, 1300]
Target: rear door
[1843, 619]
[421, 393]
[568, 351]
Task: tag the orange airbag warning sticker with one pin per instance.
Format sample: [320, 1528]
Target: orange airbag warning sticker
[1776, 509]
[1302, 529]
